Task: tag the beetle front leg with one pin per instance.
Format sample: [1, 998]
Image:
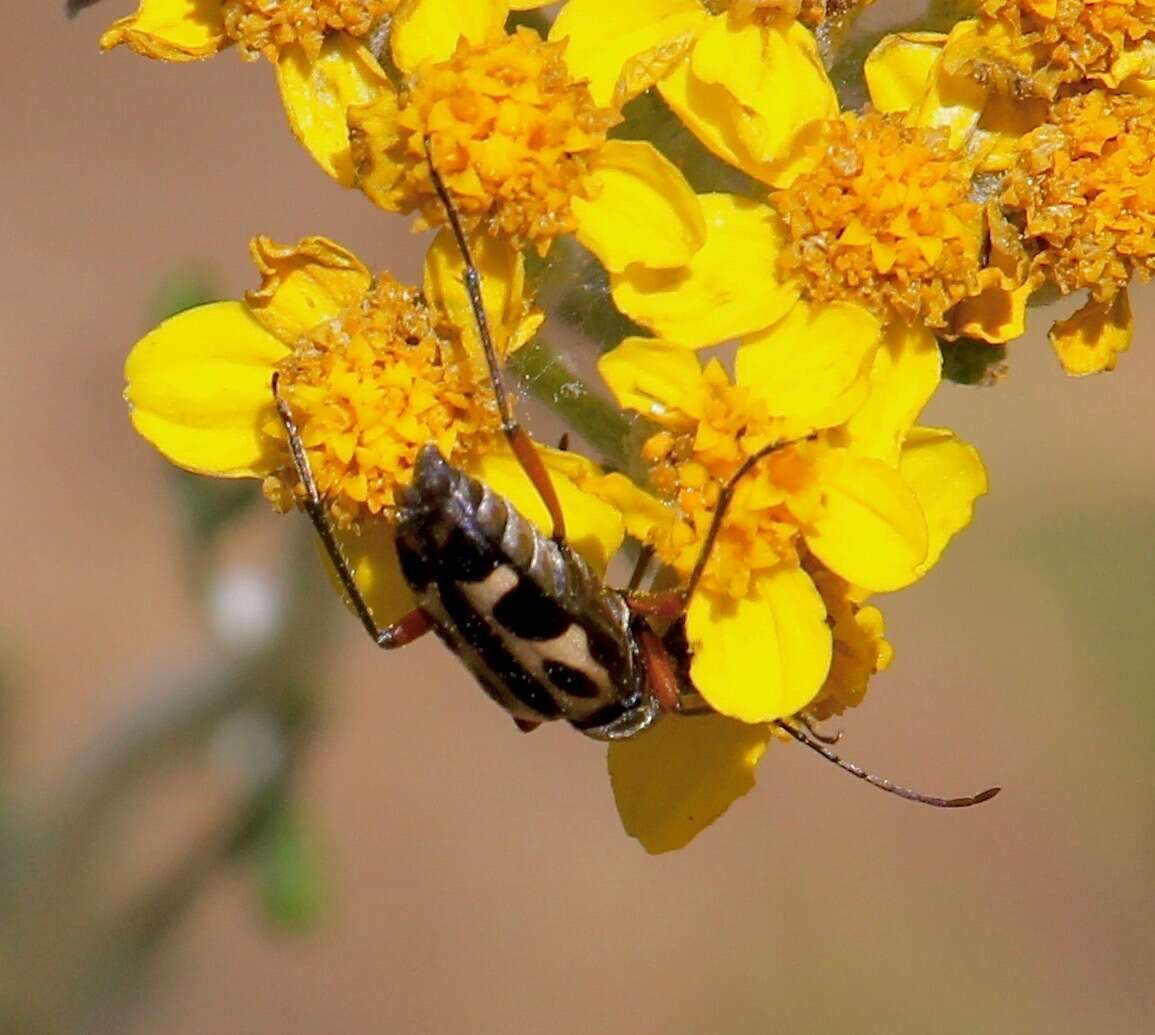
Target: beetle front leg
[403, 631]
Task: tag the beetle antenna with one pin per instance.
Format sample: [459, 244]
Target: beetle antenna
[519, 440]
[719, 515]
[882, 784]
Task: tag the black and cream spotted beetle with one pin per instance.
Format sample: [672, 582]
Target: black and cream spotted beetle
[545, 637]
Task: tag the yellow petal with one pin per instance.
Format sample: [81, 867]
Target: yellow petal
[813, 363]
[947, 476]
[763, 657]
[170, 30]
[641, 210]
[593, 527]
[871, 530]
[199, 388]
[428, 30]
[649, 375]
[373, 127]
[998, 313]
[1090, 340]
[502, 271]
[372, 556]
[747, 93]
[729, 287]
[952, 100]
[644, 515]
[898, 69]
[681, 775]
[605, 34]
[317, 95]
[305, 284]
[907, 369]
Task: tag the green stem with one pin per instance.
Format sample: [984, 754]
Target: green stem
[614, 435]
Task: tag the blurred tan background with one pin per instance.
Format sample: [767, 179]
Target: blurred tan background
[478, 881]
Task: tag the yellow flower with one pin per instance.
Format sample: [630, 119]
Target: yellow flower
[521, 145]
[1040, 46]
[758, 627]
[371, 370]
[325, 51]
[882, 217]
[871, 504]
[868, 210]
[1083, 193]
[680, 777]
[745, 82]
[908, 78]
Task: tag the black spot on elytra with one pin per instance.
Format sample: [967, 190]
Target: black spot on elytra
[505, 668]
[529, 614]
[570, 681]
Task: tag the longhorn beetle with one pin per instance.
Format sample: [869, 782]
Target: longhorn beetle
[542, 634]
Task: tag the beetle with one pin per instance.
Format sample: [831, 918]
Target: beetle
[545, 637]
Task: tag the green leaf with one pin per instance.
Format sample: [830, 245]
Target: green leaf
[970, 361]
[288, 866]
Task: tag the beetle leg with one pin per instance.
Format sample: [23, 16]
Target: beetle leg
[408, 628]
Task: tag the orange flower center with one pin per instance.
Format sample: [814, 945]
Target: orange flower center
[513, 136]
[1083, 192]
[265, 26]
[368, 390]
[883, 220]
[1051, 42]
[692, 461]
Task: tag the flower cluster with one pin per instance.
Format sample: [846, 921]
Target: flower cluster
[788, 272]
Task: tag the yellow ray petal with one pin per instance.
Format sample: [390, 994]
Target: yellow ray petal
[304, 284]
[593, 527]
[502, 272]
[650, 375]
[605, 34]
[317, 95]
[947, 476]
[170, 30]
[998, 313]
[871, 531]
[898, 69]
[763, 657]
[641, 210]
[680, 776]
[376, 169]
[775, 77]
[907, 369]
[372, 555]
[428, 30]
[199, 390]
[729, 287]
[813, 364]
[951, 100]
[644, 515]
[1090, 340]
[747, 93]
